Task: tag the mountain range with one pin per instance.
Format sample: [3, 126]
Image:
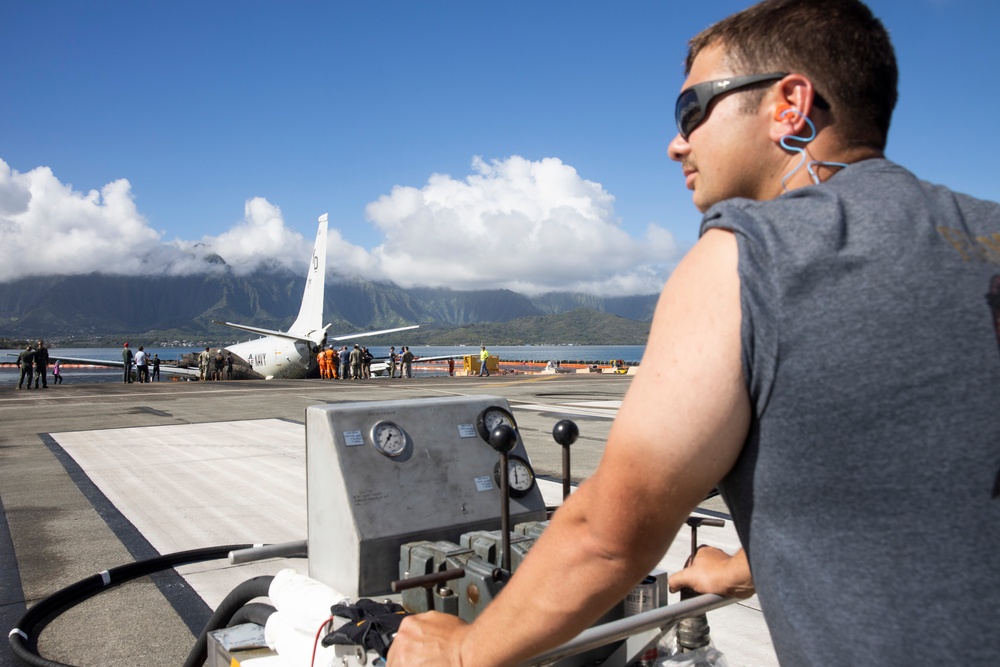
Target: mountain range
[86, 309]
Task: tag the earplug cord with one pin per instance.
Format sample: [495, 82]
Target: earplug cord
[802, 152]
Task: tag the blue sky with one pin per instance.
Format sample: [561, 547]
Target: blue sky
[507, 144]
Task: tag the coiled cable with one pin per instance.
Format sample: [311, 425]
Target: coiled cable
[24, 637]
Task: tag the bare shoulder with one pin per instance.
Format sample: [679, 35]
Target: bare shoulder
[691, 375]
[698, 313]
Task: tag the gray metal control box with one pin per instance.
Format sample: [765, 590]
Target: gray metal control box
[381, 474]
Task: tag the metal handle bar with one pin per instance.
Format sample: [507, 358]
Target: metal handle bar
[621, 629]
[427, 580]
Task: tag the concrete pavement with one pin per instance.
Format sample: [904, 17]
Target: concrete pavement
[95, 476]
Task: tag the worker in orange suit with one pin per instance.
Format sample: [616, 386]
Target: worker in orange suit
[331, 367]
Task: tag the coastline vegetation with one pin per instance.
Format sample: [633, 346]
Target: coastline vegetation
[582, 326]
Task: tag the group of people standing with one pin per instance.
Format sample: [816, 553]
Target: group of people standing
[146, 368]
[344, 364]
[212, 367]
[33, 363]
[356, 363]
[404, 360]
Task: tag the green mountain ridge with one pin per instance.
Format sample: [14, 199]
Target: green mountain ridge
[90, 309]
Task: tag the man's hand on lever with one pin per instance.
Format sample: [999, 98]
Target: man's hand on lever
[711, 570]
[431, 639]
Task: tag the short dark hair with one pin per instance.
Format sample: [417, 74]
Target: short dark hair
[839, 44]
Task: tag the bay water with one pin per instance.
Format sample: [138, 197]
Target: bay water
[584, 354]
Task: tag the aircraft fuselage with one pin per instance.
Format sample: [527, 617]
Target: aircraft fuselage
[270, 357]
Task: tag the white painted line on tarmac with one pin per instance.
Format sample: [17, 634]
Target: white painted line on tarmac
[569, 409]
[189, 486]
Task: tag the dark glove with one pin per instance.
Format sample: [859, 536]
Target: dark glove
[371, 625]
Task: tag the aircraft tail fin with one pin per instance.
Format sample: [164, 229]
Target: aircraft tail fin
[310, 317]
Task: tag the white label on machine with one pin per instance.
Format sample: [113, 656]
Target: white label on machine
[484, 483]
[467, 431]
[353, 438]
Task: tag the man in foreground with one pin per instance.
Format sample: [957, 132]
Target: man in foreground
[825, 355]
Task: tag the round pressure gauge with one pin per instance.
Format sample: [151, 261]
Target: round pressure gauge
[520, 476]
[492, 417]
[388, 438]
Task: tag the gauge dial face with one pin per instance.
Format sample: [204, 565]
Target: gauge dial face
[388, 438]
[520, 476]
[492, 417]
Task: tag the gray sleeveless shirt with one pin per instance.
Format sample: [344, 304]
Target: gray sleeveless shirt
[866, 493]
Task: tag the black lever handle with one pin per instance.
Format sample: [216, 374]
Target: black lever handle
[503, 439]
[427, 580]
[565, 432]
[694, 522]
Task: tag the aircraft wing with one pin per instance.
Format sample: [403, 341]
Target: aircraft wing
[307, 338]
[372, 333]
[110, 363]
[267, 332]
[178, 370]
[313, 337]
[440, 357]
[381, 364]
[416, 359]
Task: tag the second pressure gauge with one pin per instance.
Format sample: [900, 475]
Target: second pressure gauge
[520, 476]
[492, 417]
[388, 438]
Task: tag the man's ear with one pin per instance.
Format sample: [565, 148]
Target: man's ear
[791, 104]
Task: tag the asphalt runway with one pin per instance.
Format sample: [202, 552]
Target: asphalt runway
[93, 476]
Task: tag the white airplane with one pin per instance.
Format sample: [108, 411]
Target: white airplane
[279, 354]
[292, 353]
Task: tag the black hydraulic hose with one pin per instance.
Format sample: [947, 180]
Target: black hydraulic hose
[24, 638]
[255, 612]
[239, 596]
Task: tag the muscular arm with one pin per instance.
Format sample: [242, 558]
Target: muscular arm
[679, 430]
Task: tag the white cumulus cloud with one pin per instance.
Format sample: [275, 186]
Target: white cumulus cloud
[48, 228]
[528, 226]
[260, 239]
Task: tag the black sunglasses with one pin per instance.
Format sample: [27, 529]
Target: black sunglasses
[692, 103]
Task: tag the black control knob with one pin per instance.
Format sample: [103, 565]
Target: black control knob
[503, 438]
[565, 432]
